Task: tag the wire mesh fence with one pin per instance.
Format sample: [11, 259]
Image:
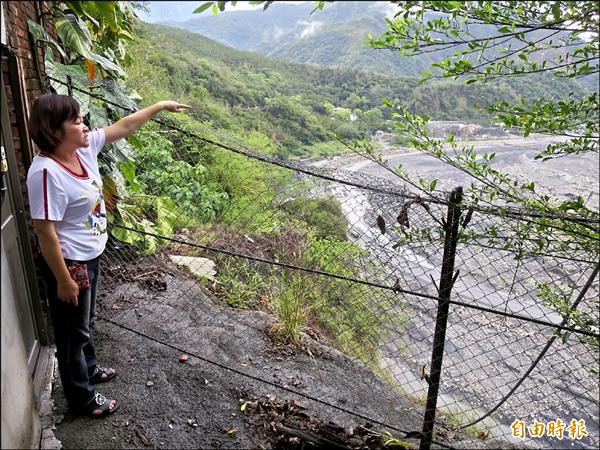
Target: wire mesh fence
[330, 260]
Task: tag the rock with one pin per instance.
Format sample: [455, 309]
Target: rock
[149, 383]
[202, 267]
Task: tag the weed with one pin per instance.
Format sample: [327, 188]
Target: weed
[243, 285]
[318, 150]
[349, 311]
[290, 308]
[457, 417]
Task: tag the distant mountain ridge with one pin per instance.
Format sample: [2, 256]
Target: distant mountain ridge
[333, 37]
[336, 36]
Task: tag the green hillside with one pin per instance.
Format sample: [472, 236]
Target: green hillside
[336, 36]
[294, 106]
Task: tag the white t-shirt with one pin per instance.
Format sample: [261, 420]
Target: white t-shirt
[73, 201]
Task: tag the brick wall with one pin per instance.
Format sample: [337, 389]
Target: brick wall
[21, 79]
[22, 86]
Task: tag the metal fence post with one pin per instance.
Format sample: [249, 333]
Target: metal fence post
[447, 279]
[69, 86]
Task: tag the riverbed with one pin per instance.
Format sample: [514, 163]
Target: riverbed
[485, 354]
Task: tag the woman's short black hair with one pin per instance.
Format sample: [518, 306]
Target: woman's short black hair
[48, 115]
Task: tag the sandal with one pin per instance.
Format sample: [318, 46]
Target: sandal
[99, 402]
[102, 374]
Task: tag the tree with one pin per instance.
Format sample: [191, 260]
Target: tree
[515, 39]
[220, 5]
[485, 41]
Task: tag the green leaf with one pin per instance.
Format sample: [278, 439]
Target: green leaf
[106, 12]
[126, 34]
[123, 235]
[556, 12]
[76, 7]
[203, 7]
[98, 116]
[39, 33]
[88, 12]
[107, 65]
[74, 34]
[115, 95]
[135, 142]
[60, 72]
[123, 150]
[166, 212]
[432, 185]
[128, 169]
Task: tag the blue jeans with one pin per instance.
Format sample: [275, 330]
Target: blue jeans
[75, 349]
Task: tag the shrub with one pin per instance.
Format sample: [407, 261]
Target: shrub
[160, 173]
[324, 215]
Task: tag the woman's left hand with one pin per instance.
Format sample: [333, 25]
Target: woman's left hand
[172, 106]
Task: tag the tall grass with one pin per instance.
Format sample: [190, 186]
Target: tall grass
[292, 308]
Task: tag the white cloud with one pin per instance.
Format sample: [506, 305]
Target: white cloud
[308, 28]
[245, 5]
[389, 8]
[278, 32]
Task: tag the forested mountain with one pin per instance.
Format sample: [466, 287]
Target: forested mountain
[295, 105]
[336, 36]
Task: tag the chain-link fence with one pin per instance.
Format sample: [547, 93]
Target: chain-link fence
[453, 323]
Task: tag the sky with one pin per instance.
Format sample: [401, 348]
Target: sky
[178, 11]
[174, 11]
[246, 5]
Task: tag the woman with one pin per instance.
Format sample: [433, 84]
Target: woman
[69, 219]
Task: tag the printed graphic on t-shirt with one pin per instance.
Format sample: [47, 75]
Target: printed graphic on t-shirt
[96, 220]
